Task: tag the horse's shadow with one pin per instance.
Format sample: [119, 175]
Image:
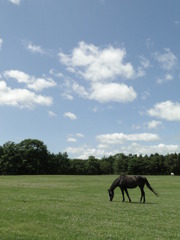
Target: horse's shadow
[138, 203]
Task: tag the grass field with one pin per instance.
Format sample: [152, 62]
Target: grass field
[78, 207]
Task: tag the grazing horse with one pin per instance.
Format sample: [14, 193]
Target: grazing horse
[125, 181]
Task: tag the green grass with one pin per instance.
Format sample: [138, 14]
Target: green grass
[78, 207]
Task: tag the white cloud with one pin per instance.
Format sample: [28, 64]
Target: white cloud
[22, 98]
[96, 64]
[167, 60]
[100, 67]
[71, 139]
[80, 135]
[16, 2]
[1, 42]
[70, 115]
[120, 138]
[85, 151]
[52, 114]
[67, 96]
[145, 95]
[35, 48]
[101, 92]
[154, 124]
[138, 149]
[57, 74]
[80, 90]
[144, 64]
[21, 77]
[168, 77]
[40, 83]
[112, 92]
[37, 84]
[166, 110]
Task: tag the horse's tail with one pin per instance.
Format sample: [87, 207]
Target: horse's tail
[149, 186]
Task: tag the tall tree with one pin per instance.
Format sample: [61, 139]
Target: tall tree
[35, 156]
[93, 166]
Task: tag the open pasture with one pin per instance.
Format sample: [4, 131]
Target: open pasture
[78, 207]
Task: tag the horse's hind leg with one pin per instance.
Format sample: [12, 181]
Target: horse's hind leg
[142, 195]
[122, 190]
[127, 194]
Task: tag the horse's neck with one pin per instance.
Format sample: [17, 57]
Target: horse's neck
[115, 184]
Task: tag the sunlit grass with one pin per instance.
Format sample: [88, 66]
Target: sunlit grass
[77, 207]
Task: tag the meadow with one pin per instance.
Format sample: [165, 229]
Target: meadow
[78, 207]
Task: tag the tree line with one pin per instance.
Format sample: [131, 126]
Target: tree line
[31, 156]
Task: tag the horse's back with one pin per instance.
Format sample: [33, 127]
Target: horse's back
[130, 181]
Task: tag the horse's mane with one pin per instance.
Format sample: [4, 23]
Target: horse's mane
[115, 183]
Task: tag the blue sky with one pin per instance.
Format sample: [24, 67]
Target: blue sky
[95, 77]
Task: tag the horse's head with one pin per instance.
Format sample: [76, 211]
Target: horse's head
[111, 194]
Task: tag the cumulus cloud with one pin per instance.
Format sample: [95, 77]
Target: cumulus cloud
[120, 138]
[67, 96]
[16, 2]
[37, 84]
[167, 60]
[96, 64]
[167, 110]
[40, 83]
[145, 95]
[52, 114]
[112, 92]
[70, 115]
[168, 77]
[144, 64]
[154, 124]
[100, 68]
[101, 92]
[1, 42]
[22, 98]
[80, 90]
[138, 149]
[85, 151]
[35, 48]
[71, 139]
[80, 135]
[21, 77]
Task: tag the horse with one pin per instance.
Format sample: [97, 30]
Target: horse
[127, 181]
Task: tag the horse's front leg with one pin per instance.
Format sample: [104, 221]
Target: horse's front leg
[122, 190]
[127, 194]
[141, 196]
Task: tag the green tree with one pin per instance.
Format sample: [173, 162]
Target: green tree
[93, 166]
[120, 164]
[77, 166]
[10, 161]
[63, 163]
[106, 165]
[35, 156]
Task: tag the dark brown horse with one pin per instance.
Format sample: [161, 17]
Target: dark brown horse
[125, 181]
